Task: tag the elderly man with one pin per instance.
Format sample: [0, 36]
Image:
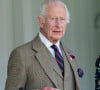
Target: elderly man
[44, 63]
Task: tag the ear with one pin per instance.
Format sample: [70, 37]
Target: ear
[40, 21]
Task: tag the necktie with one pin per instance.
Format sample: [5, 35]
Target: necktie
[59, 59]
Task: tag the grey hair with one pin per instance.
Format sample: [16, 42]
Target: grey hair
[46, 2]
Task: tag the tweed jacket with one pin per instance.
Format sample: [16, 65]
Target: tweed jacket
[31, 67]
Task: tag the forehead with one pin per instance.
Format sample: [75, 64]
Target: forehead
[55, 9]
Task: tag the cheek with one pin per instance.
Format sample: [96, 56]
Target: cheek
[64, 26]
[49, 24]
[49, 28]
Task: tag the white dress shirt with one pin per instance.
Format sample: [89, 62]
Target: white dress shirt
[48, 44]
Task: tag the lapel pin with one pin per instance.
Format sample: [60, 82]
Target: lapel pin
[72, 56]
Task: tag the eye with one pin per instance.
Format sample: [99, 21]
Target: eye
[52, 18]
[62, 19]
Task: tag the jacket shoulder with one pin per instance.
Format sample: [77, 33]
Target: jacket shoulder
[23, 49]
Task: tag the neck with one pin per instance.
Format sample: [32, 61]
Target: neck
[52, 41]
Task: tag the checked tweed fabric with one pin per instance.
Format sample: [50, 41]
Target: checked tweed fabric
[59, 59]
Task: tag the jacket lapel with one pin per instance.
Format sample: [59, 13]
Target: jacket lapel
[73, 65]
[74, 68]
[46, 60]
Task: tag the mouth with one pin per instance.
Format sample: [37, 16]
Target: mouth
[57, 32]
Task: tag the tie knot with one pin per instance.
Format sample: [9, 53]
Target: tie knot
[54, 47]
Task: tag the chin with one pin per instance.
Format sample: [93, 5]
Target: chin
[57, 38]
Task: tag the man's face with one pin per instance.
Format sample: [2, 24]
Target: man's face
[54, 25]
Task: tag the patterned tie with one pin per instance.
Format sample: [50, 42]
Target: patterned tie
[59, 59]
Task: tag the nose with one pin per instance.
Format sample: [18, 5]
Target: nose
[58, 21]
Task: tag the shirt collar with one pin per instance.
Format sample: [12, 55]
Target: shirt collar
[46, 42]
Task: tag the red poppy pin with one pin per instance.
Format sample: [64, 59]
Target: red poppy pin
[72, 56]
